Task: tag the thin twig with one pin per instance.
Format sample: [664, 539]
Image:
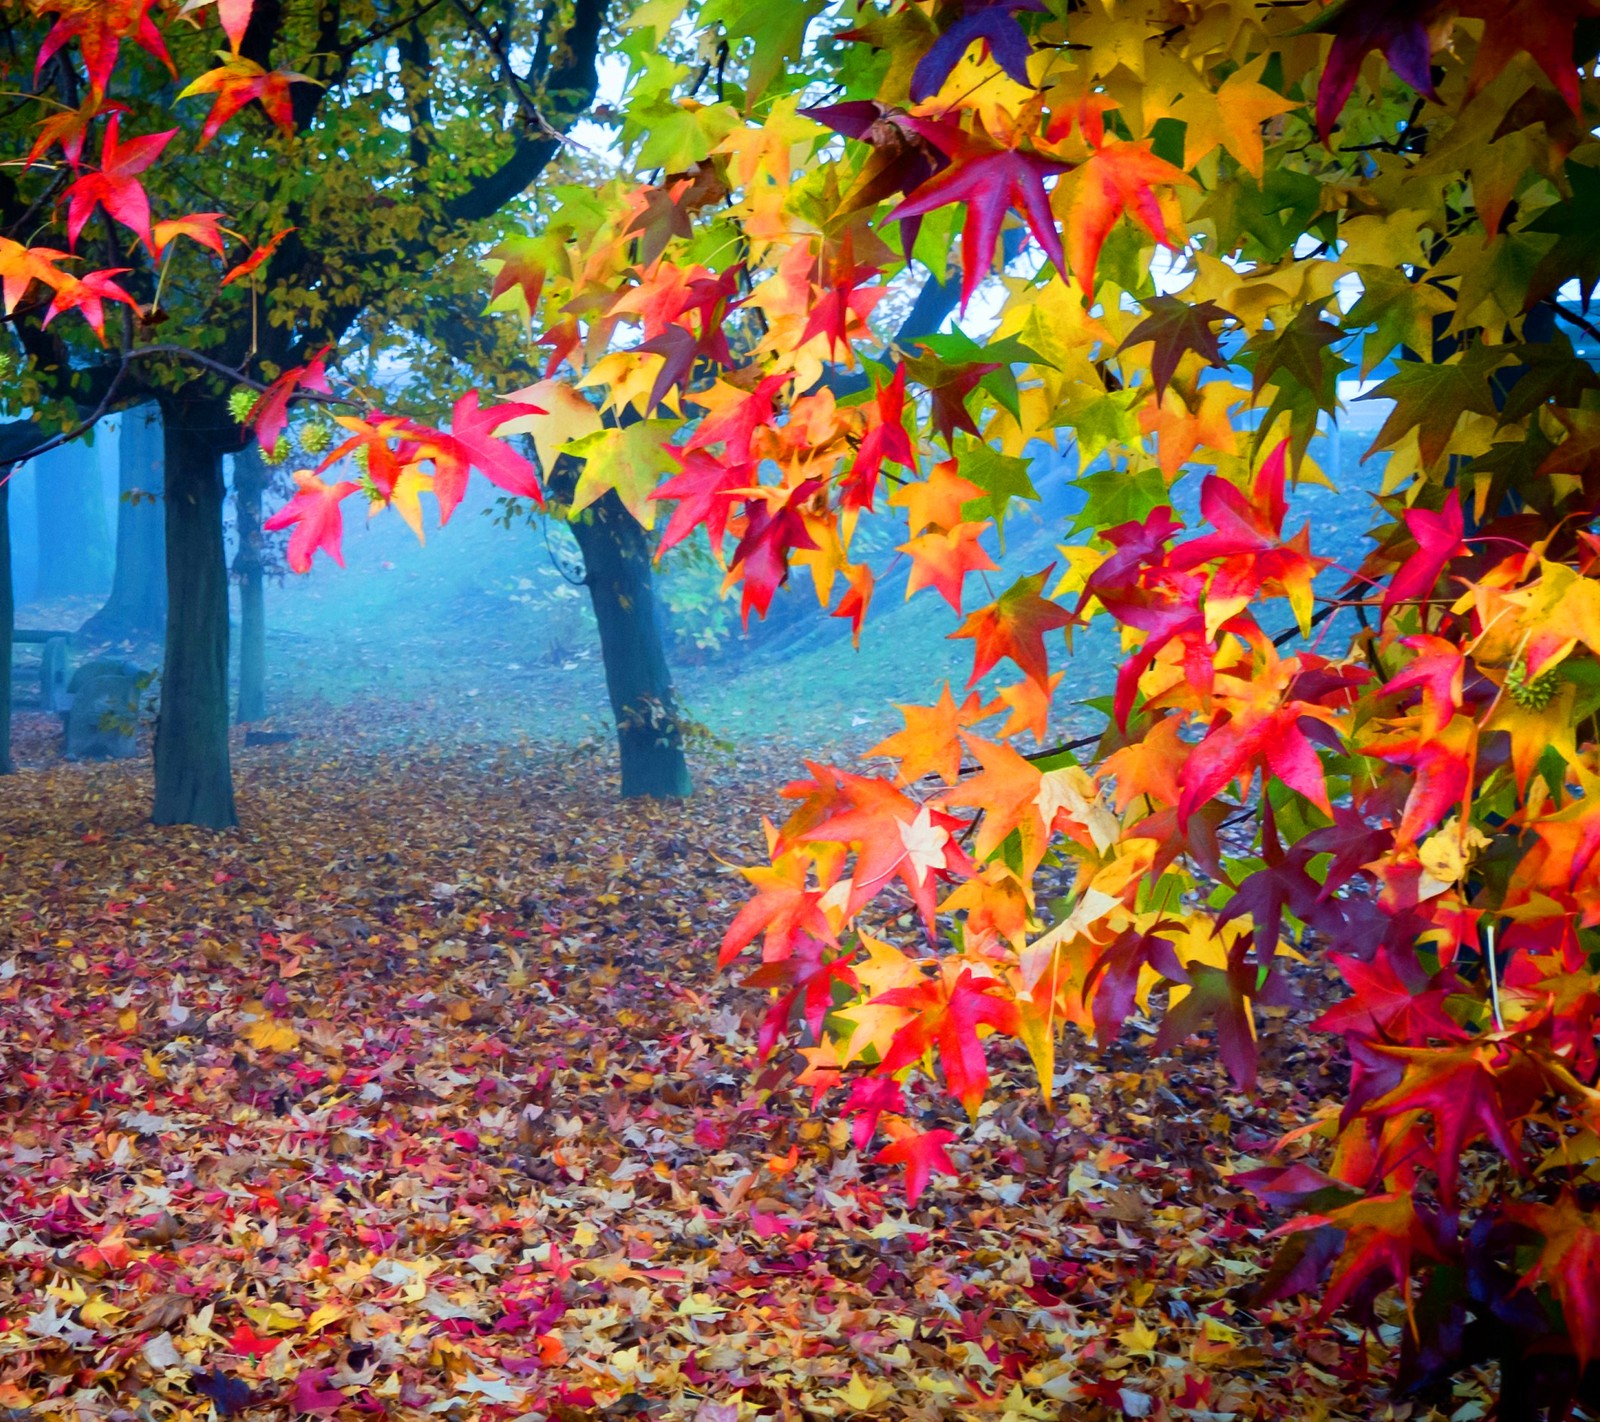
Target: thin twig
[1494, 981]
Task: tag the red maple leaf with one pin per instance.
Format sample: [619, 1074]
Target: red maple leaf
[948, 1015]
[704, 494]
[784, 907]
[470, 444]
[1234, 747]
[1546, 31]
[894, 836]
[244, 1339]
[762, 553]
[942, 558]
[88, 294]
[116, 186]
[856, 600]
[922, 1153]
[1014, 625]
[237, 82]
[1439, 539]
[734, 425]
[990, 178]
[1460, 1089]
[1569, 1263]
[314, 515]
[99, 29]
[1380, 1002]
[256, 258]
[885, 440]
[1399, 30]
[1221, 997]
[1116, 181]
[870, 1097]
[841, 296]
[269, 416]
[1383, 1234]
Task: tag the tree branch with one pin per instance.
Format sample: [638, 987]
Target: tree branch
[570, 90]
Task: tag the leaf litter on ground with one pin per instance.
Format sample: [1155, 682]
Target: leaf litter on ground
[420, 1096]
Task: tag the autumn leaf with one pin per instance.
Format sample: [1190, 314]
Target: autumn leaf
[627, 460]
[269, 416]
[1459, 1087]
[313, 514]
[116, 186]
[471, 443]
[99, 30]
[238, 81]
[256, 259]
[1432, 399]
[949, 1013]
[995, 25]
[1231, 118]
[1014, 626]
[943, 558]
[1439, 540]
[930, 743]
[989, 177]
[1115, 181]
[201, 227]
[1384, 1234]
[267, 1035]
[1400, 32]
[922, 1153]
[1569, 1263]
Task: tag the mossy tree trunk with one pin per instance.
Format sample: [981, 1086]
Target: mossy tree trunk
[616, 555]
[7, 619]
[194, 780]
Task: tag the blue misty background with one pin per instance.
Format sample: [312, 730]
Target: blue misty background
[481, 635]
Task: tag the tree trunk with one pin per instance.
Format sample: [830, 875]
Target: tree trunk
[194, 781]
[74, 538]
[137, 607]
[616, 553]
[7, 617]
[249, 481]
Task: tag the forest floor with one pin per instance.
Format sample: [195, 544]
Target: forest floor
[420, 1095]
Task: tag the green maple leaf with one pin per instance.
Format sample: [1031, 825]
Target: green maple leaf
[1103, 420]
[677, 135]
[627, 461]
[778, 33]
[1114, 496]
[1400, 312]
[1575, 224]
[1431, 399]
[1498, 273]
[1548, 373]
[1301, 350]
[1000, 476]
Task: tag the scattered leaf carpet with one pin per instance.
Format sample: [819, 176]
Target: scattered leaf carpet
[419, 1096]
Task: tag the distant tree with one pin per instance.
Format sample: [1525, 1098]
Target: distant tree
[7, 619]
[73, 535]
[136, 609]
[250, 479]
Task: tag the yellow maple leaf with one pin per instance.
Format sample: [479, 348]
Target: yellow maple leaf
[267, 1034]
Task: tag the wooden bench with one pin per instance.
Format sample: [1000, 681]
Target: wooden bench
[52, 664]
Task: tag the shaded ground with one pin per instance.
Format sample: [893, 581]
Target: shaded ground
[420, 1096]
